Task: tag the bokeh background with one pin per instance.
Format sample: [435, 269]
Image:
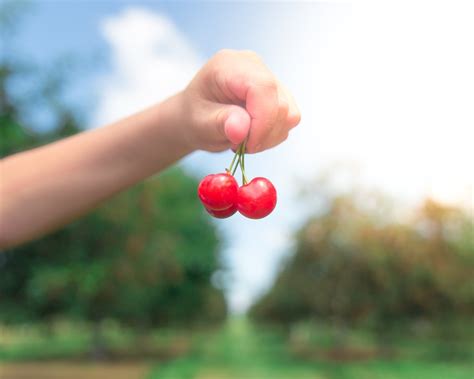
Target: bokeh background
[364, 270]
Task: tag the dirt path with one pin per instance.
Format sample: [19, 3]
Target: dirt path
[73, 370]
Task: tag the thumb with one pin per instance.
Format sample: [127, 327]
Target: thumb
[233, 122]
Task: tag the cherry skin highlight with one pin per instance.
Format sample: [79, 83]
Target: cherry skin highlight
[257, 199]
[218, 192]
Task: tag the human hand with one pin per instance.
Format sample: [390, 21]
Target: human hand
[233, 96]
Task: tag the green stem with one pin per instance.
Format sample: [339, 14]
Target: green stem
[239, 160]
[235, 168]
[242, 162]
[237, 153]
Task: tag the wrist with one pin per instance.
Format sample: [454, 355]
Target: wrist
[170, 124]
[154, 138]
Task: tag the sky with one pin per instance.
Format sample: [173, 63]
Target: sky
[384, 88]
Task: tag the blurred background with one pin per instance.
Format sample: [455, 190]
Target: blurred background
[364, 270]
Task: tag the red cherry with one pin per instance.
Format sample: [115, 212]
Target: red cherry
[257, 199]
[218, 191]
[224, 213]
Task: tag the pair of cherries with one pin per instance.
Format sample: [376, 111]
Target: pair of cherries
[222, 197]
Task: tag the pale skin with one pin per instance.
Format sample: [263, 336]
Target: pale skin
[233, 97]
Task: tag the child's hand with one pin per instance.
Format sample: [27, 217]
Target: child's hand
[235, 95]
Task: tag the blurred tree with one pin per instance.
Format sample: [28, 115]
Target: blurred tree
[352, 267]
[144, 259]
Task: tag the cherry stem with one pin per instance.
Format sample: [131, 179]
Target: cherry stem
[237, 153]
[239, 160]
[242, 162]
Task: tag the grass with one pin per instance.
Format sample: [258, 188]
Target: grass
[72, 341]
[30, 342]
[239, 350]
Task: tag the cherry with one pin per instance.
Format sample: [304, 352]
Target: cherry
[222, 197]
[218, 192]
[257, 199]
[223, 213]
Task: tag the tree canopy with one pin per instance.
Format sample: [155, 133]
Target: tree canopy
[355, 266]
[144, 258]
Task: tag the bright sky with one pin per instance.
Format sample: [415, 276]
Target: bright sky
[388, 87]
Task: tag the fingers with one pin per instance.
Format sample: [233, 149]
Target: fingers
[272, 108]
[264, 111]
[263, 105]
[233, 123]
[273, 116]
[237, 124]
[294, 114]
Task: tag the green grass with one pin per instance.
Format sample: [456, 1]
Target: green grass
[36, 343]
[66, 340]
[242, 351]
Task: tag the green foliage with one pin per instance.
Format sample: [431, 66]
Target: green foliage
[352, 267]
[145, 258]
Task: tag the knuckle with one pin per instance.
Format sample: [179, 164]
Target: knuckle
[250, 54]
[268, 82]
[295, 119]
[223, 54]
[283, 108]
[218, 75]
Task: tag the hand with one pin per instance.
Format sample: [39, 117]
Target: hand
[234, 96]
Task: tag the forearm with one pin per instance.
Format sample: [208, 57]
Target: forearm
[47, 187]
[234, 97]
